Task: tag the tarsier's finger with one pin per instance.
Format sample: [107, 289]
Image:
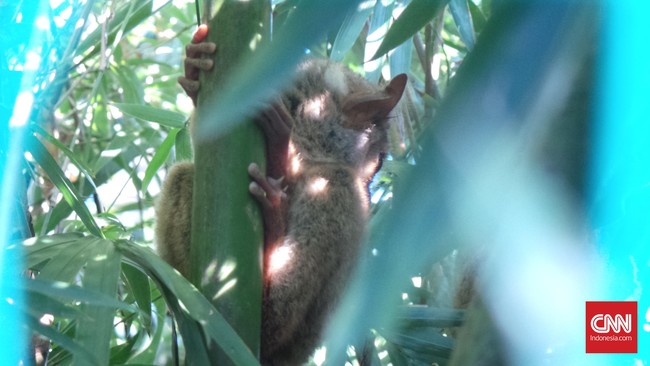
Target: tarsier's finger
[260, 195]
[194, 50]
[191, 87]
[204, 64]
[272, 188]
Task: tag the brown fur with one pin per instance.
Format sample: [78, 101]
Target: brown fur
[174, 216]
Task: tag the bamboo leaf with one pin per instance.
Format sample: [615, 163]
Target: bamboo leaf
[400, 59]
[478, 18]
[71, 293]
[183, 145]
[121, 353]
[381, 16]
[463, 18]
[139, 287]
[178, 290]
[83, 355]
[133, 92]
[101, 275]
[69, 192]
[132, 12]
[39, 304]
[190, 330]
[151, 114]
[41, 249]
[68, 262]
[350, 29]
[71, 155]
[159, 158]
[416, 15]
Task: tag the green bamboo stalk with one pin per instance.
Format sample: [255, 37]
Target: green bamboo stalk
[227, 235]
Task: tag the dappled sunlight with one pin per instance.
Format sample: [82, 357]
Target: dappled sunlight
[317, 186]
[313, 108]
[225, 288]
[209, 272]
[320, 356]
[226, 269]
[280, 257]
[294, 159]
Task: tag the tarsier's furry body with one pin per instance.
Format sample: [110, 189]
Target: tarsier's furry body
[315, 217]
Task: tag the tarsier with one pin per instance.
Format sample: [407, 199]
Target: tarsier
[325, 137]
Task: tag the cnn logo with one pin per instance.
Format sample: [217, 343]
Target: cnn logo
[605, 323]
[611, 327]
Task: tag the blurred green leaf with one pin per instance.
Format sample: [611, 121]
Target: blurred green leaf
[151, 114]
[350, 29]
[70, 293]
[42, 249]
[121, 353]
[416, 15]
[83, 355]
[101, 123]
[478, 19]
[71, 155]
[39, 304]
[377, 28]
[139, 287]
[159, 158]
[56, 175]
[101, 275]
[400, 59]
[68, 261]
[463, 18]
[131, 12]
[133, 92]
[183, 145]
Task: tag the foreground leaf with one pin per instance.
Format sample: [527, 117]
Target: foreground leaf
[186, 301]
[416, 15]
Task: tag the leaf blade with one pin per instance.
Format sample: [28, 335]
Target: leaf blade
[101, 275]
[67, 189]
[463, 18]
[151, 114]
[159, 158]
[416, 15]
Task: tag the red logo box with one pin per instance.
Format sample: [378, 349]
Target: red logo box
[612, 327]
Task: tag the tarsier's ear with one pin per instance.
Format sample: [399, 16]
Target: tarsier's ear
[362, 110]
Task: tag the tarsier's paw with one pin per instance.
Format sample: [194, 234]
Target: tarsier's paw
[273, 200]
[268, 191]
[194, 63]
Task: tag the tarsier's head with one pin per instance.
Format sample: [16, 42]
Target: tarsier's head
[339, 117]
